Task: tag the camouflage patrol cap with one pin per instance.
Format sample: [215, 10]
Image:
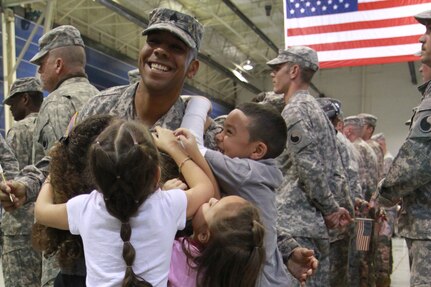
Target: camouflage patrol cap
[184, 26]
[23, 85]
[331, 107]
[61, 36]
[134, 76]
[304, 56]
[379, 136]
[354, 121]
[368, 119]
[423, 17]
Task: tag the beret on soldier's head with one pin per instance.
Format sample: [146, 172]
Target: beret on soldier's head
[368, 119]
[331, 107]
[184, 26]
[423, 17]
[301, 55]
[354, 121]
[23, 85]
[62, 36]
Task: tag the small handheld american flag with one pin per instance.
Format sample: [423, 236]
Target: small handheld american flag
[364, 228]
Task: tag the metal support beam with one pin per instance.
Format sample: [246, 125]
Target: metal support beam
[49, 12]
[27, 43]
[12, 3]
[8, 42]
[126, 13]
[222, 69]
[249, 23]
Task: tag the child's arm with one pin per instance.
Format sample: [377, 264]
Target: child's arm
[48, 213]
[192, 149]
[200, 187]
[195, 117]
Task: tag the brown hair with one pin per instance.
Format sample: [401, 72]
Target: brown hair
[124, 163]
[234, 254]
[69, 161]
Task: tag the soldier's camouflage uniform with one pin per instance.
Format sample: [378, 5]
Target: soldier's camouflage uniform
[368, 168]
[54, 116]
[341, 239]
[22, 265]
[13, 251]
[409, 179]
[58, 108]
[382, 236]
[306, 193]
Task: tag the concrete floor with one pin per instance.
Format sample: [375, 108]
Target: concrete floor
[401, 273]
[400, 276]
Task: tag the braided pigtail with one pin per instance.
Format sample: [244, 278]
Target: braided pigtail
[124, 162]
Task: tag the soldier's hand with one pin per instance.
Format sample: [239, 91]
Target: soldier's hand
[302, 264]
[338, 219]
[12, 195]
[345, 218]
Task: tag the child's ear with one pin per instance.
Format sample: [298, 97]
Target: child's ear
[204, 236]
[260, 151]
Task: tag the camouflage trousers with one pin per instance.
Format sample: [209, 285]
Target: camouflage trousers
[21, 263]
[50, 270]
[383, 252]
[420, 262]
[339, 262]
[321, 252]
[361, 265]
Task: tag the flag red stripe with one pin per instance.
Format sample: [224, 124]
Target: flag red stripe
[367, 61]
[367, 43]
[388, 4]
[351, 26]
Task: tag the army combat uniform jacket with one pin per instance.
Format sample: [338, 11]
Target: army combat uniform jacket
[409, 177]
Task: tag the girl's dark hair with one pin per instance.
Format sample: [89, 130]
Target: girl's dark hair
[124, 163]
[234, 254]
[68, 170]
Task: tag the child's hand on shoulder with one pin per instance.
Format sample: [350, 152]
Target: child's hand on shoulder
[187, 140]
[165, 139]
[175, 183]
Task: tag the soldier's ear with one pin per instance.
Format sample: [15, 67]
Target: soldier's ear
[59, 65]
[193, 69]
[25, 98]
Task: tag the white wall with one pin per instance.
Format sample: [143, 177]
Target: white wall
[385, 91]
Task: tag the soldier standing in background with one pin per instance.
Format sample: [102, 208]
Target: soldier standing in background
[368, 128]
[388, 157]
[61, 59]
[305, 201]
[22, 265]
[382, 237]
[353, 129]
[409, 178]
[340, 239]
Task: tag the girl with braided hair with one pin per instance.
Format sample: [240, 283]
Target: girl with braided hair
[128, 224]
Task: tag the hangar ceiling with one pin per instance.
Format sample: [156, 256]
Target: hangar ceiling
[235, 31]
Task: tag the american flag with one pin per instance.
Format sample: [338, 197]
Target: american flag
[356, 32]
[364, 227]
